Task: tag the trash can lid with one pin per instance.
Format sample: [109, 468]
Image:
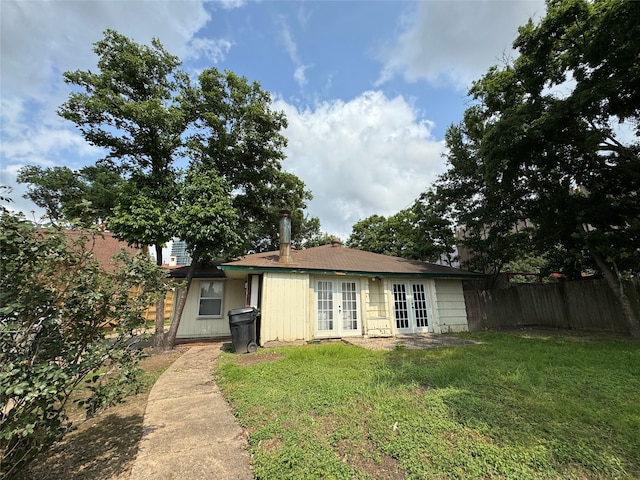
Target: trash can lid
[240, 311]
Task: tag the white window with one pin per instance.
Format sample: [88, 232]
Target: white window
[211, 294]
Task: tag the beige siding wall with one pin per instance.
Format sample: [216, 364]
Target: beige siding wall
[285, 313]
[377, 321]
[451, 310]
[193, 327]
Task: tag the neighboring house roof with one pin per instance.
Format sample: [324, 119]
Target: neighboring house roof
[335, 259]
[103, 245]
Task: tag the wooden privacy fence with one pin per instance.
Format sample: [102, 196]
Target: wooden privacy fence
[581, 305]
[150, 313]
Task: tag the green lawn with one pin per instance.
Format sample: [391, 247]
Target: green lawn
[516, 406]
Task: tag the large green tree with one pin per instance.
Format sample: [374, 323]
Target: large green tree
[208, 222]
[134, 108]
[420, 232]
[551, 144]
[153, 119]
[240, 137]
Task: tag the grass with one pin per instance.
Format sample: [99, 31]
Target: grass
[518, 406]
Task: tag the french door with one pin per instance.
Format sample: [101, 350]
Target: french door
[410, 307]
[337, 308]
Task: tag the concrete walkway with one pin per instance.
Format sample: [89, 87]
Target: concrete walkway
[189, 430]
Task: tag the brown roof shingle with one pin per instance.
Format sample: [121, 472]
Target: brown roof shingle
[102, 245]
[335, 258]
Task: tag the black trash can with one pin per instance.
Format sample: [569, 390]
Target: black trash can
[242, 322]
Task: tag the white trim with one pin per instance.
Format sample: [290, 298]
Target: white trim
[335, 310]
[200, 316]
[409, 307]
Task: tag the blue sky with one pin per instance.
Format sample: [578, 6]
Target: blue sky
[368, 87]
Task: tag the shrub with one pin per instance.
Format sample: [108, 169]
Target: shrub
[55, 302]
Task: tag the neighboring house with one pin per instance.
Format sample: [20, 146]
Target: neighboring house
[102, 245]
[326, 292]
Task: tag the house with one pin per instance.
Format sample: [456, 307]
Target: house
[326, 292]
[102, 245]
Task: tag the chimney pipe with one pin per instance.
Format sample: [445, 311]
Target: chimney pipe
[285, 237]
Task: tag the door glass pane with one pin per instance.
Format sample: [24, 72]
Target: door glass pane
[420, 305]
[325, 305]
[349, 307]
[400, 306]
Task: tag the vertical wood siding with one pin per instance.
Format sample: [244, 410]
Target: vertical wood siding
[450, 305]
[377, 318]
[285, 313]
[150, 312]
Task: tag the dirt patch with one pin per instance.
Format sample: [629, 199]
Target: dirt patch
[104, 446]
[360, 456]
[410, 342]
[247, 359]
[270, 445]
[281, 343]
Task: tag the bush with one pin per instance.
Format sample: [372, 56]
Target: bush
[55, 302]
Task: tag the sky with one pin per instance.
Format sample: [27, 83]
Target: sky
[368, 87]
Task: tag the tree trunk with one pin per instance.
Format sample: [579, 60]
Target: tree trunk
[182, 300]
[158, 339]
[631, 315]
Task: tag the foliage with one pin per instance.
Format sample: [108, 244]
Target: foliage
[146, 112]
[541, 161]
[55, 305]
[421, 232]
[100, 447]
[133, 107]
[518, 405]
[84, 196]
[149, 115]
[488, 224]
[565, 167]
[239, 136]
[537, 268]
[313, 237]
[205, 217]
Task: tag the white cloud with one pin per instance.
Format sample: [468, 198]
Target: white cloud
[371, 155]
[229, 4]
[300, 76]
[455, 41]
[39, 40]
[299, 73]
[213, 49]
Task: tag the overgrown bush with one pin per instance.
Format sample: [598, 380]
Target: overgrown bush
[55, 306]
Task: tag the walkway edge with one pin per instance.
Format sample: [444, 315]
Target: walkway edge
[189, 430]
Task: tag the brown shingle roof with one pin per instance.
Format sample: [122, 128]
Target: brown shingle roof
[103, 246]
[331, 258]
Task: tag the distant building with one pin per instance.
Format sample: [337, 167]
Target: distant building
[179, 255]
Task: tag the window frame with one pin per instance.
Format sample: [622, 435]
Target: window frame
[201, 284]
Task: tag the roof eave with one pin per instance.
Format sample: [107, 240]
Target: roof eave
[262, 269]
